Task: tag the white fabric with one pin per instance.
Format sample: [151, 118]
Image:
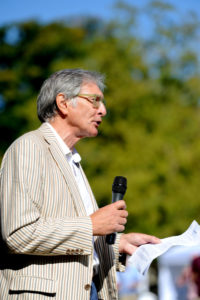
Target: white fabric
[74, 159]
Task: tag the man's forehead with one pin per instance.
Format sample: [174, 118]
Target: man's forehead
[91, 87]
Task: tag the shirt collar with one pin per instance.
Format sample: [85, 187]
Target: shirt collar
[75, 155]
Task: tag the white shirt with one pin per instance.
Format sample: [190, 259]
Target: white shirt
[74, 159]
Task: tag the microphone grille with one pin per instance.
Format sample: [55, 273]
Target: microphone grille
[119, 184]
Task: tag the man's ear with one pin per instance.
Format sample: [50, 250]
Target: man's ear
[62, 104]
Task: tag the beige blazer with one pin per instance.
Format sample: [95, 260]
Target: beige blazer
[46, 235]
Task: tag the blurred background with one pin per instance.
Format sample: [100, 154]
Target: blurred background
[149, 52]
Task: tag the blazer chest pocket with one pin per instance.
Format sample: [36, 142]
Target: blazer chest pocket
[38, 286]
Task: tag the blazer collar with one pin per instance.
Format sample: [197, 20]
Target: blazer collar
[64, 167]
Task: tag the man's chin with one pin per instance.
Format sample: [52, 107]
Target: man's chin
[93, 133]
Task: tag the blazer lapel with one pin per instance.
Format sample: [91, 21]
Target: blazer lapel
[63, 165]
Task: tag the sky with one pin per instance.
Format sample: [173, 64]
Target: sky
[51, 10]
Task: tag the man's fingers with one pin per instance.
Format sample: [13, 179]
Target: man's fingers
[141, 238]
[121, 204]
[130, 241]
[130, 249]
[120, 228]
[110, 218]
[123, 213]
[154, 240]
[149, 239]
[121, 221]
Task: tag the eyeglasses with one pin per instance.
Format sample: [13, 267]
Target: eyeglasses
[96, 100]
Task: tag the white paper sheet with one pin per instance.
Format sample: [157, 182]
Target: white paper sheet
[145, 254]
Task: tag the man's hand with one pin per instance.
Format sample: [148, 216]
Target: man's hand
[130, 241]
[110, 218]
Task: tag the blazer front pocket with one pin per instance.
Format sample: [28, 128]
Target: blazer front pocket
[35, 285]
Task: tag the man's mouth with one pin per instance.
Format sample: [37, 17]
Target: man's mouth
[97, 123]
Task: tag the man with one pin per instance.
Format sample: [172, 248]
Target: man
[52, 230]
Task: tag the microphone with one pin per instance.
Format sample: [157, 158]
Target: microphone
[119, 187]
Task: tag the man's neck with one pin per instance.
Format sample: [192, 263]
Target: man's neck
[64, 132]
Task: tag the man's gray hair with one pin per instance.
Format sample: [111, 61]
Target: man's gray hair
[67, 82]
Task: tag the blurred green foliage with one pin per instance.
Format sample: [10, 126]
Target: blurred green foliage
[151, 133]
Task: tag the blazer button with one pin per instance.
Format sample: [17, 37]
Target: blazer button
[87, 287]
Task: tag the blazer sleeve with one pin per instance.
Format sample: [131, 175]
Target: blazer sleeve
[24, 229]
[120, 265]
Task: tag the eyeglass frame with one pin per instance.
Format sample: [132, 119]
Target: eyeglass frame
[96, 103]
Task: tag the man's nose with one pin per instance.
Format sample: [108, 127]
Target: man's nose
[102, 109]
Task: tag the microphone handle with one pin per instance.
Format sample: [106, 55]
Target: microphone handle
[110, 238]
[117, 196]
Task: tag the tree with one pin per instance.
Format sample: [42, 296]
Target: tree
[151, 132]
